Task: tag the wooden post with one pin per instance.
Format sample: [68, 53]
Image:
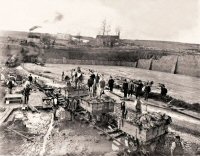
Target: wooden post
[151, 62]
[174, 68]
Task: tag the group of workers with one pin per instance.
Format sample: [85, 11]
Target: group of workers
[97, 80]
[76, 78]
[137, 87]
[26, 89]
[93, 82]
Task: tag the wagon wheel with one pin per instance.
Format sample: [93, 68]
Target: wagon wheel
[104, 118]
[156, 142]
[88, 116]
[96, 119]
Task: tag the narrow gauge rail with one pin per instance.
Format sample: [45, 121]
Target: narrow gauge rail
[113, 132]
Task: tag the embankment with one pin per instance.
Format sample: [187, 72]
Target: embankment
[104, 54]
[185, 65]
[156, 60]
[188, 65]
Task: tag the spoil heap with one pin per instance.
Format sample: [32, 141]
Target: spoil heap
[152, 120]
[96, 99]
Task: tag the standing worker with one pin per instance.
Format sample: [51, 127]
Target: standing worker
[67, 80]
[10, 85]
[55, 106]
[97, 78]
[90, 83]
[147, 90]
[79, 78]
[124, 111]
[63, 76]
[111, 83]
[138, 89]
[73, 106]
[92, 75]
[73, 73]
[125, 88]
[30, 78]
[35, 80]
[130, 88]
[94, 88]
[177, 148]
[102, 85]
[138, 106]
[163, 90]
[26, 93]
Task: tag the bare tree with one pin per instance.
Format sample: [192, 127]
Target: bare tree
[118, 31]
[103, 27]
[108, 29]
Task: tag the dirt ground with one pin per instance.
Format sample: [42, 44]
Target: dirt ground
[179, 86]
[65, 138]
[77, 138]
[31, 125]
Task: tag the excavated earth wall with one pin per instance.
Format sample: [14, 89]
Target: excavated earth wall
[189, 65]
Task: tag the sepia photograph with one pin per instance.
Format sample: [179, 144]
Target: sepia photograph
[99, 77]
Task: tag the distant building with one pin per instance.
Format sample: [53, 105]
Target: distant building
[61, 36]
[62, 39]
[80, 39]
[107, 40]
[34, 37]
[14, 34]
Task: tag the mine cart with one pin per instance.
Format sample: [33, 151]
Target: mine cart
[15, 98]
[97, 108]
[48, 91]
[147, 127]
[143, 135]
[47, 102]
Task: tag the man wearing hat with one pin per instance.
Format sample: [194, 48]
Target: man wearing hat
[111, 83]
[125, 88]
[26, 93]
[163, 90]
[177, 148]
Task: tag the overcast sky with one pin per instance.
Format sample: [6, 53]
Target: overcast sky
[173, 20]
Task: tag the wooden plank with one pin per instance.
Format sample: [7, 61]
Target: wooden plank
[7, 112]
[32, 108]
[13, 96]
[30, 139]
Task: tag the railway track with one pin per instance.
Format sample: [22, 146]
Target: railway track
[164, 108]
[176, 110]
[110, 131]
